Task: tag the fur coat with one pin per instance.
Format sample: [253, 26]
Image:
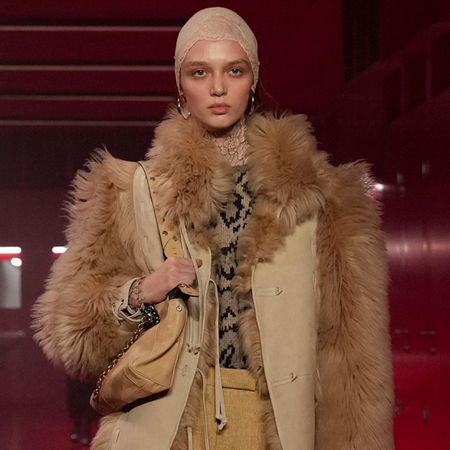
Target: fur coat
[291, 182]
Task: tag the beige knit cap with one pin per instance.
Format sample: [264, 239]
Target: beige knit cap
[214, 24]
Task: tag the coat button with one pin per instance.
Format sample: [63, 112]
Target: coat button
[179, 308]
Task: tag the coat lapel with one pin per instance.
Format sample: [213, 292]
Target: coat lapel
[286, 176]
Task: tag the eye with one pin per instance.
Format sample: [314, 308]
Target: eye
[199, 73]
[235, 71]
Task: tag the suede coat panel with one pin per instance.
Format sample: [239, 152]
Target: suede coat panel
[292, 182]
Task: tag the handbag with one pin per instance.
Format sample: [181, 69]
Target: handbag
[146, 365]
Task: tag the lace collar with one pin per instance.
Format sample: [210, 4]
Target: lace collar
[233, 147]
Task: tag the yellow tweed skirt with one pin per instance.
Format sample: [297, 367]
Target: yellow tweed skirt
[244, 410]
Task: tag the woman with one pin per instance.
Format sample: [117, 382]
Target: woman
[286, 252]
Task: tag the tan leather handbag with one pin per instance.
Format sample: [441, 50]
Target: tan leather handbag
[146, 365]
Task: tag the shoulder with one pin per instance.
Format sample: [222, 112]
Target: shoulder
[351, 203]
[103, 176]
[102, 168]
[99, 193]
[352, 181]
[288, 148]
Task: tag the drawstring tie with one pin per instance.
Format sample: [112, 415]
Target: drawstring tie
[220, 413]
[205, 416]
[194, 341]
[195, 332]
[190, 439]
[221, 416]
[205, 413]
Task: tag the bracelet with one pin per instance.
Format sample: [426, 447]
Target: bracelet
[150, 316]
[135, 292]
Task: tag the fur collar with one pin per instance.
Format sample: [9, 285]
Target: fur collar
[287, 174]
[290, 180]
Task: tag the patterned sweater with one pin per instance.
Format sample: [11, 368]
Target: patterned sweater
[233, 219]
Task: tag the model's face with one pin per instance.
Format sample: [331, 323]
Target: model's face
[216, 80]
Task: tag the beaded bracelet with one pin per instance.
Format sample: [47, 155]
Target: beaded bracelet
[150, 316]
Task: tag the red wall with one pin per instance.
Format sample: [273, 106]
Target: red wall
[403, 129]
[401, 20]
[65, 91]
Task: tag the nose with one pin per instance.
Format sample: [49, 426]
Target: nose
[218, 87]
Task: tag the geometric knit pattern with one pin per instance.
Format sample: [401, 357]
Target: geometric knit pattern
[232, 220]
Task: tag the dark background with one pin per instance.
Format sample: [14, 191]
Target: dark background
[374, 77]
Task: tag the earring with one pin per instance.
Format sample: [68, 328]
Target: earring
[183, 114]
[251, 105]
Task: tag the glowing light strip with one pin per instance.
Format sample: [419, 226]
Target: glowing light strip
[16, 262]
[10, 250]
[58, 249]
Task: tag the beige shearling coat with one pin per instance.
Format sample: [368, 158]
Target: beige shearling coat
[312, 273]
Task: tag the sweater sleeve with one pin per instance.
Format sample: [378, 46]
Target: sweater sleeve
[355, 391]
[73, 319]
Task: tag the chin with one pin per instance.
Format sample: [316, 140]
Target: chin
[221, 123]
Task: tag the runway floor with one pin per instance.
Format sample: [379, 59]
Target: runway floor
[38, 428]
[421, 422]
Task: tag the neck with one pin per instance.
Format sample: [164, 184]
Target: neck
[232, 142]
[223, 133]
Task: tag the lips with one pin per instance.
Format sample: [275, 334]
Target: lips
[219, 108]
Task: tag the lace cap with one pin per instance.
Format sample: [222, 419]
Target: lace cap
[213, 24]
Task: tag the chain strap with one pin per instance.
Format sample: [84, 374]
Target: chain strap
[139, 330]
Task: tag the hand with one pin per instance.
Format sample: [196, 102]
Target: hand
[172, 272]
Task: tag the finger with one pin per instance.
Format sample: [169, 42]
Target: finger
[177, 264]
[188, 262]
[180, 261]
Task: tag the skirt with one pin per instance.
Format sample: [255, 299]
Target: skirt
[244, 410]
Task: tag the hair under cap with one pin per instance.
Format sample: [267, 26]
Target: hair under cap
[213, 24]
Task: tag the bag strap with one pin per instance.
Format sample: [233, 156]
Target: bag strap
[171, 243]
[98, 385]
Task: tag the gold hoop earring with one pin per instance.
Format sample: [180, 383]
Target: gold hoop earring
[184, 115]
[251, 105]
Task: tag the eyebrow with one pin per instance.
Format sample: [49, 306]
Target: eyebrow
[204, 63]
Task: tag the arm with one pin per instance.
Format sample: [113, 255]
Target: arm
[73, 319]
[78, 320]
[355, 391]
